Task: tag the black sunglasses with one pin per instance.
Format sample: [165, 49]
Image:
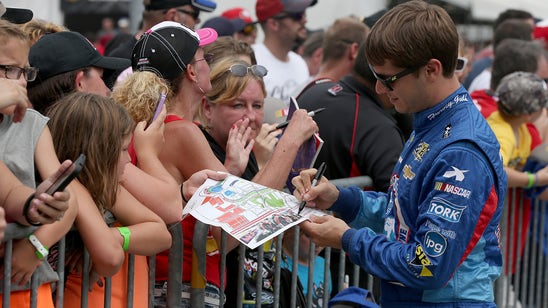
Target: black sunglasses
[295, 16]
[249, 29]
[194, 14]
[240, 70]
[387, 81]
[208, 57]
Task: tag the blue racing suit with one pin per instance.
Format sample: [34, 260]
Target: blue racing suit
[439, 222]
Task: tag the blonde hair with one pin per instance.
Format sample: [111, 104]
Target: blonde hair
[140, 93]
[37, 28]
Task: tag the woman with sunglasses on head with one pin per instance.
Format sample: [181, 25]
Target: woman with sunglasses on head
[224, 47]
[237, 94]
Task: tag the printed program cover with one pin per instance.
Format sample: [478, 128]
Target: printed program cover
[250, 212]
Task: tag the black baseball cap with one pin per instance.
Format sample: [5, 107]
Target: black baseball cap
[14, 15]
[66, 51]
[168, 47]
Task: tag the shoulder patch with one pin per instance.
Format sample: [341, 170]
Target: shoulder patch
[334, 90]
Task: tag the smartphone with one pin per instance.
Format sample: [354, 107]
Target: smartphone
[68, 175]
[159, 106]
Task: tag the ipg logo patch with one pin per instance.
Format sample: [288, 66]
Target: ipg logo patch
[434, 244]
[445, 209]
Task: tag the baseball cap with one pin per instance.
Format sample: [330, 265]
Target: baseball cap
[14, 15]
[238, 13]
[203, 5]
[222, 25]
[168, 47]
[265, 9]
[353, 297]
[522, 93]
[540, 32]
[66, 51]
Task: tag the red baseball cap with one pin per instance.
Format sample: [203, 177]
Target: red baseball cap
[541, 32]
[265, 9]
[238, 12]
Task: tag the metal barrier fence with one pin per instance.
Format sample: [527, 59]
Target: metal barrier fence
[523, 283]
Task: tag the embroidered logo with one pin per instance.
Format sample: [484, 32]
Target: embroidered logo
[420, 150]
[408, 174]
[452, 189]
[445, 209]
[446, 131]
[434, 244]
[456, 173]
[334, 90]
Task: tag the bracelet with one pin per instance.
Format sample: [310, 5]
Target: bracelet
[26, 209]
[41, 250]
[532, 180]
[125, 232]
[183, 195]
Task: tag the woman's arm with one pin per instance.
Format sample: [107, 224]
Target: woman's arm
[162, 195]
[275, 172]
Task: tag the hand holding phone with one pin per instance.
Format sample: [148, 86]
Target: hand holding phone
[41, 209]
[161, 102]
[67, 176]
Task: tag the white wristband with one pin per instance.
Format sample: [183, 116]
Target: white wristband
[41, 250]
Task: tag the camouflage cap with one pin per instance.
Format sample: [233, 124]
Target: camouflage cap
[522, 93]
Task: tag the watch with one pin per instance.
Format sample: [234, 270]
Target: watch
[41, 250]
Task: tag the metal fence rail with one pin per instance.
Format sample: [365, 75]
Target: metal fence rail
[524, 282]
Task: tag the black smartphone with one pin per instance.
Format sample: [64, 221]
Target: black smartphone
[70, 173]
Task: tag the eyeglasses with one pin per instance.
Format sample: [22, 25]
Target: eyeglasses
[240, 70]
[295, 16]
[14, 72]
[388, 81]
[249, 29]
[193, 14]
[208, 57]
[461, 64]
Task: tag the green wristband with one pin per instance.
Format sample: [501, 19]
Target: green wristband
[125, 232]
[531, 180]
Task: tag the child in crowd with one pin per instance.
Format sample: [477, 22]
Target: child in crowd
[27, 149]
[101, 129]
[521, 99]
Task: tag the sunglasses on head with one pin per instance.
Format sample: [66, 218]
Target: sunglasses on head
[241, 70]
[295, 16]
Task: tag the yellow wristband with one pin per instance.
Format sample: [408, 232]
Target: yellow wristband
[125, 232]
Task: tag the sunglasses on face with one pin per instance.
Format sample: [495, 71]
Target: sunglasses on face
[461, 64]
[240, 70]
[295, 16]
[249, 29]
[193, 14]
[15, 72]
[387, 81]
[208, 57]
